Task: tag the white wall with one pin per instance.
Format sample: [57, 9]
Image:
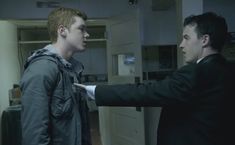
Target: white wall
[159, 27]
[9, 72]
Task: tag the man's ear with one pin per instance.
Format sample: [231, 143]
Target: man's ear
[206, 40]
[62, 31]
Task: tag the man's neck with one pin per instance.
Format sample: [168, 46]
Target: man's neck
[62, 51]
[206, 52]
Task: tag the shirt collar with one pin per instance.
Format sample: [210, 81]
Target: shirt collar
[199, 59]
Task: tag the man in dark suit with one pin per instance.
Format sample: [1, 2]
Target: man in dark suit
[197, 99]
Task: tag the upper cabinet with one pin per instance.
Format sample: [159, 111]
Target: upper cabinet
[97, 33]
[39, 34]
[32, 35]
[158, 61]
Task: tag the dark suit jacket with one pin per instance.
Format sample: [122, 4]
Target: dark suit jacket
[197, 100]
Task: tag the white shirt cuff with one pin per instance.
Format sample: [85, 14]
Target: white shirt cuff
[91, 91]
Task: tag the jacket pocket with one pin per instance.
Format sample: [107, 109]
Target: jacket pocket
[62, 104]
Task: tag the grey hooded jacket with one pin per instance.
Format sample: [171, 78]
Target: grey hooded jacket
[54, 112]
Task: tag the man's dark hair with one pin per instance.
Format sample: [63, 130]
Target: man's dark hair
[211, 24]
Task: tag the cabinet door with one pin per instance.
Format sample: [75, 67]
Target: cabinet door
[125, 124]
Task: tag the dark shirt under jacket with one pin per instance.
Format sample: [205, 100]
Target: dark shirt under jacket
[197, 100]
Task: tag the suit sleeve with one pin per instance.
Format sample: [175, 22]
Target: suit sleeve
[176, 89]
[37, 82]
